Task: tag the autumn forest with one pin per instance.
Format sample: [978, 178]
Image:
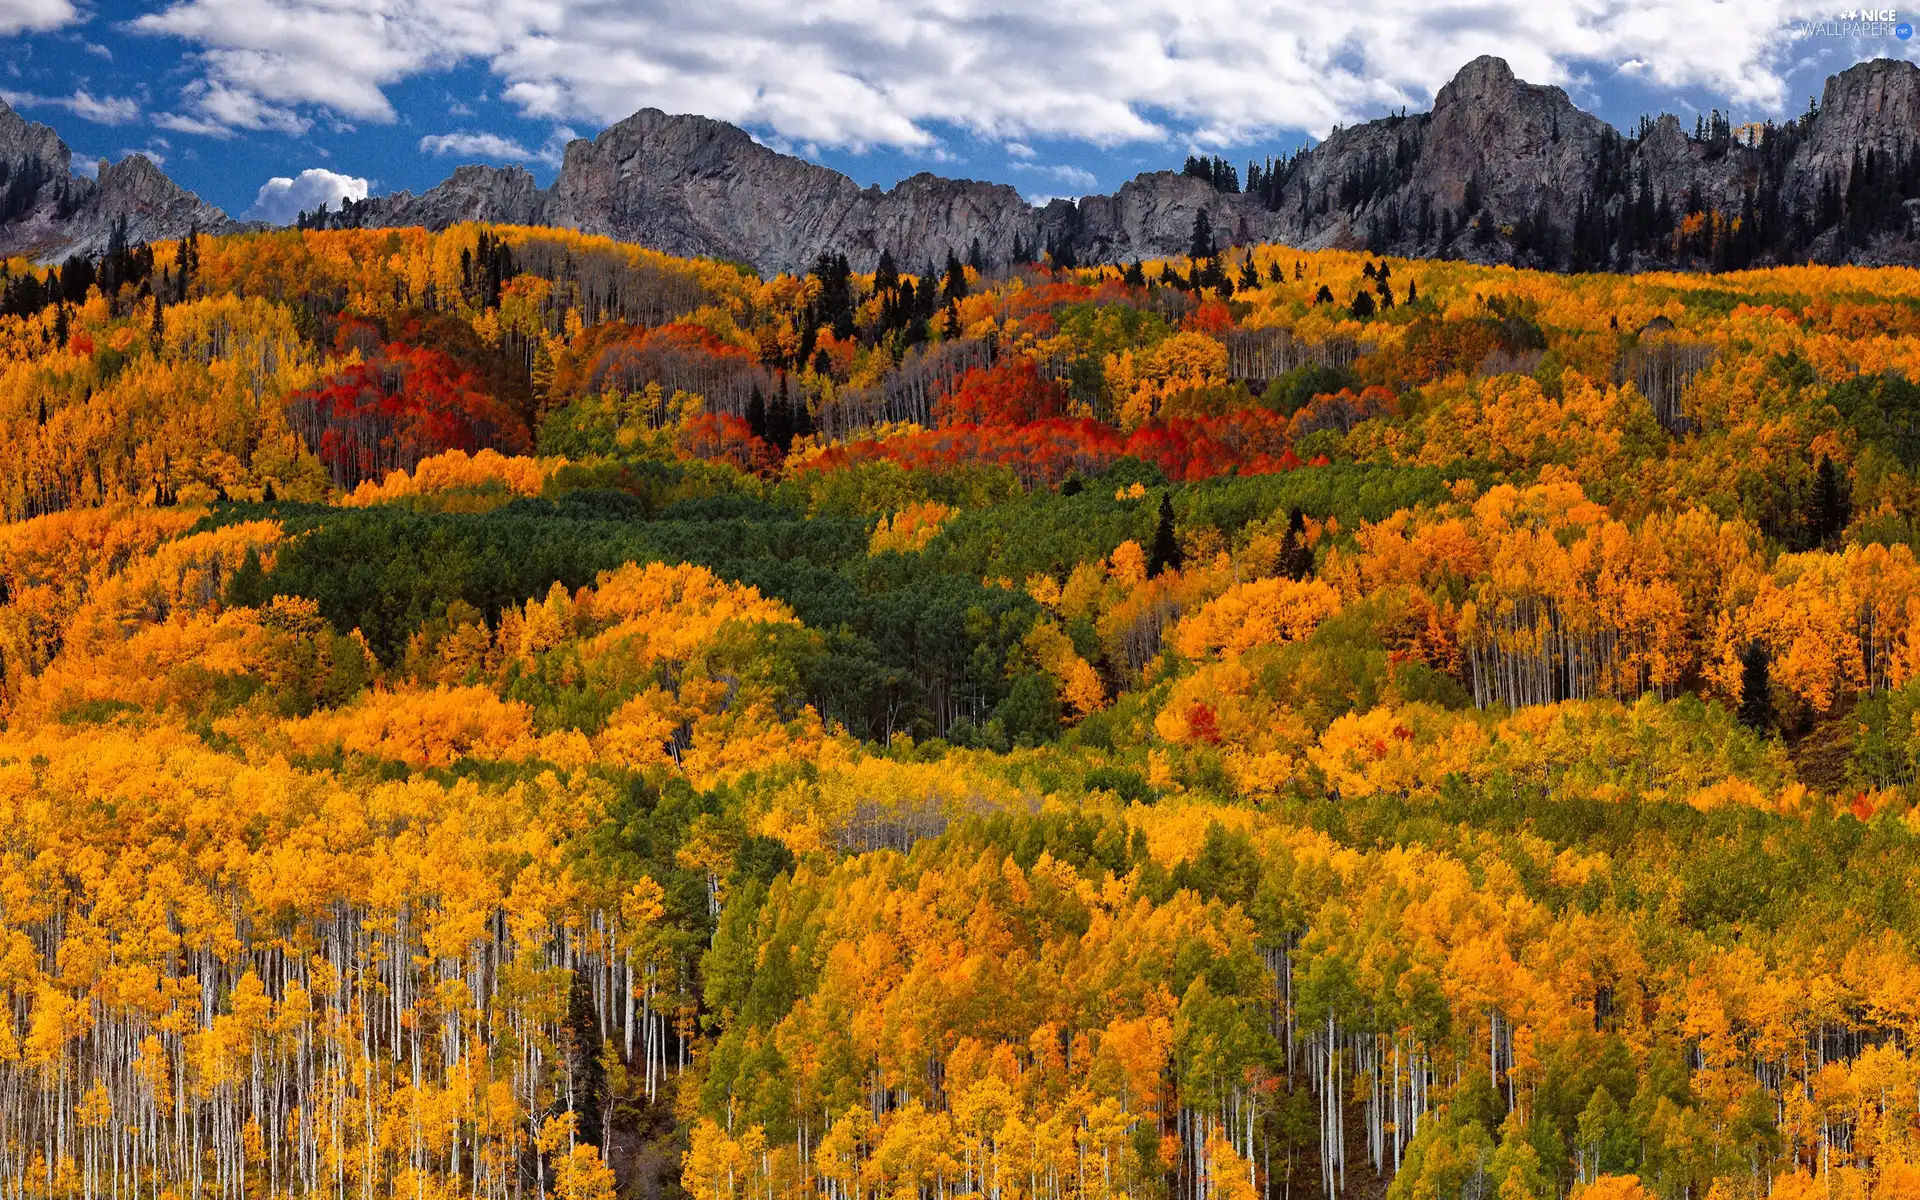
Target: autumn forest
[507, 714]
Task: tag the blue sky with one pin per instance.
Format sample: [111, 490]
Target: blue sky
[349, 96]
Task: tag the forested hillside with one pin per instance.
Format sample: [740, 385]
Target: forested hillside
[506, 713]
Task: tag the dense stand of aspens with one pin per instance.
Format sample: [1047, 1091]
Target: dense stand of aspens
[503, 713]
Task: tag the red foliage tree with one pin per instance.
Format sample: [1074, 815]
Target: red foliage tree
[401, 406]
[1252, 441]
[1012, 393]
[1209, 316]
[723, 438]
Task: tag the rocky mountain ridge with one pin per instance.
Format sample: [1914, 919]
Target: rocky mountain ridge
[1499, 170]
[48, 212]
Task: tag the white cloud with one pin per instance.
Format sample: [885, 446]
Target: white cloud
[181, 123]
[108, 110]
[282, 199]
[1020, 150]
[28, 16]
[475, 145]
[101, 110]
[856, 73]
[494, 148]
[1066, 173]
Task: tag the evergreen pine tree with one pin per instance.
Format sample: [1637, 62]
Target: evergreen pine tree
[586, 1073]
[955, 286]
[1202, 246]
[248, 586]
[1756, 691]
[267, 495]
[757, 413]
[780, 419]
[1296, 557]
[1166, 548]
[1829, 509]
[802, 417]
[1136, 276]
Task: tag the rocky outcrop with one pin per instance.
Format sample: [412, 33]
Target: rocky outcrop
[1505, 171]
[689, 185]
[503, 195]
[1499, 171]
[47, 212]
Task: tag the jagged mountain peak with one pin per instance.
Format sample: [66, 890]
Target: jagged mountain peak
[1487, 75]
[1499, 170]
[49, 212]
[21, 139]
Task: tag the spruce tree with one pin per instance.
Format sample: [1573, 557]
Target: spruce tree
[248, 587]
[1828, 509]
[757, 413]
[802, 417]
[1756, 690]
[1166, 548]
[1296, 557]
[780, 419]
[586, 1073]
[955, 286]
[1202, 246]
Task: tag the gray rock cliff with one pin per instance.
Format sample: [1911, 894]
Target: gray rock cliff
[47, 212]
[1499, 171]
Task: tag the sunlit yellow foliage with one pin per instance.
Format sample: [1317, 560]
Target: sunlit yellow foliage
[1265, 612]
[455, 471]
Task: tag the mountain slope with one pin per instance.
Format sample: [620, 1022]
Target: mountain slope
[1499, 171]
[48, 212]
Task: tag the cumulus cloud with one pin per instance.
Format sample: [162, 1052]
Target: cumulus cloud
[29, 16]
[855, 73]
[101, 110]
[282, 199]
